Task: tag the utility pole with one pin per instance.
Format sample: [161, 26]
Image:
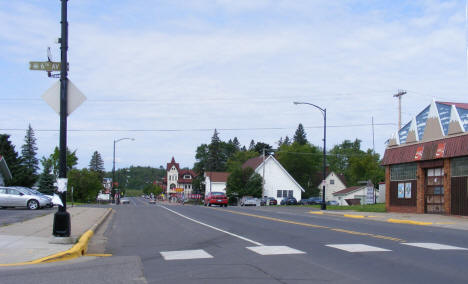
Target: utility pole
[373, 140]
[263, 176]
[61, 227]
[399, 95]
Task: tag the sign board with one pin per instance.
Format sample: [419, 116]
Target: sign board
[74, 100]
[370, 194]
[45, 66]
[62, 184]
[179, 190]
[419, 153]
[440, 150]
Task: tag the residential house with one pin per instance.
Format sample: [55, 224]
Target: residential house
[333, 183]
[178, 180]
[5, 174]
[216, 181]
[351, 193]
[278, 183]
[426, 162]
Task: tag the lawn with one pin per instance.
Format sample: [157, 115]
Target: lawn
[379, 207]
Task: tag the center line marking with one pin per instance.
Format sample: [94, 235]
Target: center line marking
[212, 227]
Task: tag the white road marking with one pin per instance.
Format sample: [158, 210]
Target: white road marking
[212, 227]
[434, 246]
[275, 250]
[185, 254]
[357, 248]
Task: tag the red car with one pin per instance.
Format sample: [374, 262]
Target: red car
[218, 198]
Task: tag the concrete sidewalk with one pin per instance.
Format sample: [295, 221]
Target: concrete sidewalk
[444, 221]
[30, 240]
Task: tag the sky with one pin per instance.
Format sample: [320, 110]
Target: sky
[168, 72]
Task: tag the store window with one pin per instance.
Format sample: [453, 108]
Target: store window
[459, 167]
[403, 172]
[404, 190]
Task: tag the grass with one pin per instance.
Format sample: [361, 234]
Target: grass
[379, 207]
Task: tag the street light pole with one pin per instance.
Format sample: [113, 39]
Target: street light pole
[324, 112]
[61, 226]
[113, 168]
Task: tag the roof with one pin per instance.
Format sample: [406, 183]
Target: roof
[253, 162]
[172, 163]
[455, 146]
[217, 176]
[187, 172]
[348, 190]
[4, 170]
[341, 177]
[458, 105]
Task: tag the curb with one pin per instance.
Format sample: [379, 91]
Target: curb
[78, 250]
[411, 222]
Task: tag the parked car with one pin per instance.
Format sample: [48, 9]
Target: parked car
[124, 201]
[249, 201]
[22, 197]
[268, 200]
[49, 197]
[311, 201]
[332, 202]
[289, 201]
[217, 198]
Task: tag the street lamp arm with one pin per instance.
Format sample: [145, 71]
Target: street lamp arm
[126, 138]
[305, 103]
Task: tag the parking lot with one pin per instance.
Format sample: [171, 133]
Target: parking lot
[13, 215]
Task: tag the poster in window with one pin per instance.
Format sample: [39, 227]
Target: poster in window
[401, 190]
[408, 190]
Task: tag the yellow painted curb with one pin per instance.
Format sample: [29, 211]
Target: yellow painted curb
[354, 216]
[79, 249]
[411, 222]
[316, 212]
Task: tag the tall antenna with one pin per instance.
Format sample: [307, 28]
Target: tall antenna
[399, 95]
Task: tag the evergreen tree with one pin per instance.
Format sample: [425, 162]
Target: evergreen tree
[28, 153]
[300, 135]
[260, 146]
[46, 179]
[280, 142]
[286, 141]
[21, 176]
[252, 145]
[96, 164]
[236, 144]
[216, 157]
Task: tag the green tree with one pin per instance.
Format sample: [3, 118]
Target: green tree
[259, 146]
[365, 167]
[300, 135]
[302, 162]
[28, 155]
[252, 145]
[20, 174]
[340, 155]
[239, 159]
[286, 141]
[244, 182]
[96, 164]
[72, 160]
[216, 157]
[86, 185]
[46, 179]
[154, 189]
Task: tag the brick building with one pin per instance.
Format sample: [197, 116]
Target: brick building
[426, 162]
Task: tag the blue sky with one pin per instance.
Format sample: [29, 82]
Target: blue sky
[185, 65]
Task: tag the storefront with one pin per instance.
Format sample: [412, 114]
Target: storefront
[429, 176]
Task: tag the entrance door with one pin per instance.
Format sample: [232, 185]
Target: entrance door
[434, 193]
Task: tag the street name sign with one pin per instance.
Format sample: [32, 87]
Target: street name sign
[44, 65]
[74, 99]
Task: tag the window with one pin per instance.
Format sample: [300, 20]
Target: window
[187, 177]
[279, 193]
[285, 193]
[404, 190]
[403, 172]
[290, 193]
[459, 167]
[13, 192]
[2, 190]
[332, 181]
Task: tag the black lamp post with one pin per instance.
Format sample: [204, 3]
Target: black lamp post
[113, 167]
[324, 112]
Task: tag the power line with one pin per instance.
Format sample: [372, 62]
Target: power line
[197, 129]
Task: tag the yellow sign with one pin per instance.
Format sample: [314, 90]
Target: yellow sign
[179, 190]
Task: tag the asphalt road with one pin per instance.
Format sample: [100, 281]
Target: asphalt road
[14, 215]
[261, 245]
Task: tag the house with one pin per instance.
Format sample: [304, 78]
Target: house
[426, 162]
[178, 180]
[278, 183]
[361, 194]
[5, 174]
[216, 181]
[333, 183]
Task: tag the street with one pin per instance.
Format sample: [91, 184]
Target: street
[160, 243]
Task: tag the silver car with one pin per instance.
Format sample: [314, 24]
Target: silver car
[22, 197]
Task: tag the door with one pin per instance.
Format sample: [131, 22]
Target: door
[16, 198]
[459, 192]
[434, 191]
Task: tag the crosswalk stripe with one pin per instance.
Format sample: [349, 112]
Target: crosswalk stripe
[356, 247]
[274, 250]
[185, 254]
[434, 246]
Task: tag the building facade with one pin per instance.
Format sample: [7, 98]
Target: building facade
[216, 181]
[426, 162]
[178, 180]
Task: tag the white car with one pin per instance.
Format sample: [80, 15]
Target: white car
[22, 197]
[125, 201]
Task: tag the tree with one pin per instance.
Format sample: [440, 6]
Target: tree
[28, 154]
[21, 175]
[286, 141]
[239, 158]
[236, 144]
[365, 167]
[72, 160]
[300, 135]
[216, 157]
[252, 145]
[280, 142]
[244, 182]
[97, 164]
[259, 146]
[341, 154]
[302, 162]
[86, 184]
[46, 179]
[151, 188]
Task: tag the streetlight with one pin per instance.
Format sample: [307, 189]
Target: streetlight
[324, 112]
[113, 167]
